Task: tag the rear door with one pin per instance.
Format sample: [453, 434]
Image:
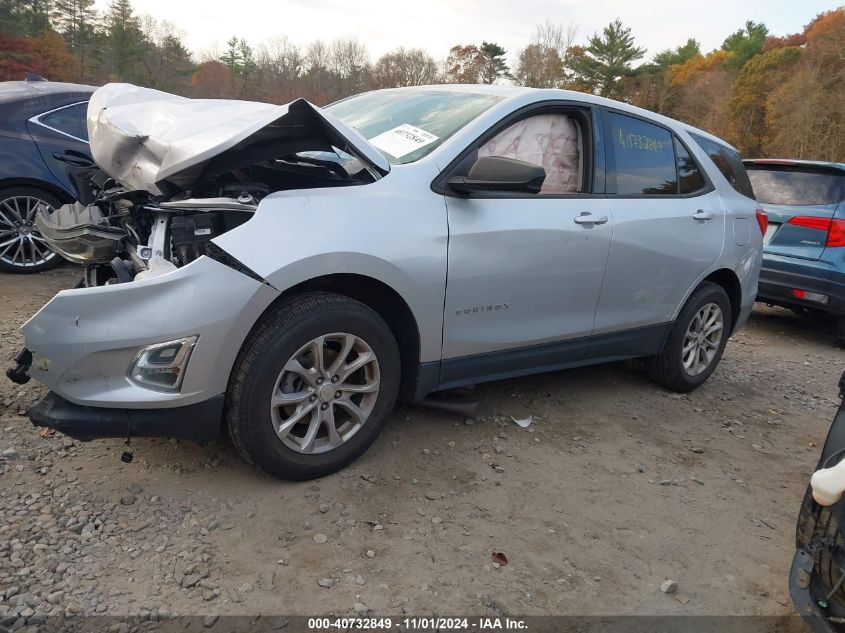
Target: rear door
[61, 136]
[801, 201]
[669, 227]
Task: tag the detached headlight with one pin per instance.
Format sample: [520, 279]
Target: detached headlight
[161, 367]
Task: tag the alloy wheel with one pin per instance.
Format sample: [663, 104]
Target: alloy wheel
[21, 244]
[325, 393]
[701, 343]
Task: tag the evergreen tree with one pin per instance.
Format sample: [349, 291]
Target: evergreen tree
[125, 42]
[607, 59]
[494, 62]
[745, 43]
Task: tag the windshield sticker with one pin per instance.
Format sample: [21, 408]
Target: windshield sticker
[402, 140]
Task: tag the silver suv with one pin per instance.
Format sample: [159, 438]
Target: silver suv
[288, 272]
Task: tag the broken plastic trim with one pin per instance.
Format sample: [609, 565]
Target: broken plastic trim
[216, 253]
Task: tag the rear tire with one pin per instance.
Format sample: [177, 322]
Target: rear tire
[692, 351]
[17, 208]
[295, 406]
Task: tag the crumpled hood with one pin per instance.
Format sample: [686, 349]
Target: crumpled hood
[144, 138]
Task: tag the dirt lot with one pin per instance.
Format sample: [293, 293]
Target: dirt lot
[615, 487]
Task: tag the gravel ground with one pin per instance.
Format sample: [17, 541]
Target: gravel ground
[615, 488]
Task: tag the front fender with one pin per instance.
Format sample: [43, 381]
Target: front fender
[394, 231]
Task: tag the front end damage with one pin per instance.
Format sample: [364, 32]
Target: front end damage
[179, 172]
[817, 577]
[145, 346]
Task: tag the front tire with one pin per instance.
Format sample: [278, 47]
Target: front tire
[696, 341]
[313, 386]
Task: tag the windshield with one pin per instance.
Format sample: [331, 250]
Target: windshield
[405, 125]
[793, 186]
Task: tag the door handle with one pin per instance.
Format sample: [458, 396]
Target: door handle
[701, 214]
[73, 159]
[589, 218]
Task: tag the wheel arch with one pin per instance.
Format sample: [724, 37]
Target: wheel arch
[383, 300]
[729, 281]
[64, 196]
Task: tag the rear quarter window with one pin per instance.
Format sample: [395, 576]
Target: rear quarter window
[727, 161]
[69, 120]
[796, 185]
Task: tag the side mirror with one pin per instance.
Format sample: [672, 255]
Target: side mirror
[497, 173]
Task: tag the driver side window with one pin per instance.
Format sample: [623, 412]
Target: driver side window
[551, 141]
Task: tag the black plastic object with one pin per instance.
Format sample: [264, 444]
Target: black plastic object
[199, 422]
[190, 234]
[19, 374]
[498, 173]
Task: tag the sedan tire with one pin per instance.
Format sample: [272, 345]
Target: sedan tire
[696, 341]
[22, 249]
[313, 386]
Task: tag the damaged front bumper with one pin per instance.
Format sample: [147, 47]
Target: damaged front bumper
[84, 343]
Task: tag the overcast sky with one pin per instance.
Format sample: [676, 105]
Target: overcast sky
[436, 25]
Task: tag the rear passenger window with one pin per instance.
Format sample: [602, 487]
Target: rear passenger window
[644, 156]
[728, 162]
[69, 120]
[690, 178]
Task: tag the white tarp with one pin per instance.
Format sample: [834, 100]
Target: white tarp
[141, 136]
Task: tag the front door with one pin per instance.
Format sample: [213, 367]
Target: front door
[526, 270]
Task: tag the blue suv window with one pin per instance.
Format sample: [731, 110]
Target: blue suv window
[644, 157]
[68, 120]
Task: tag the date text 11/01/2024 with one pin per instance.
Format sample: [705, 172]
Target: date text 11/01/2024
[417, 624]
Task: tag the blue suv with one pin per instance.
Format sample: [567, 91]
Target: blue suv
[804, 245]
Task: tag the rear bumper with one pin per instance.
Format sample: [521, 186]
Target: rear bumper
[779, 275]
[198, 422]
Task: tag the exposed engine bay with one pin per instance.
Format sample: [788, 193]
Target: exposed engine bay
[123, 235]
[166, 190]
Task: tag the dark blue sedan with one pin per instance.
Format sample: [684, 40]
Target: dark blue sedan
[44, 157]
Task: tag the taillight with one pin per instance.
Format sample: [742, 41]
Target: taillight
[836, 235]
[762, 221]
[835, 229]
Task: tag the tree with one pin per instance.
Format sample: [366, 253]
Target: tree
[745, 43]
[125, 42]
[679, 55]
[405, 67]
[539, 66]
[805, 114]
[465, 65]
[280, 66]
[58, 62]
[759, 77]
[349, 62]
[240, 59]
[606, 60]
[542, 64]
[495, 66]
[167, 63]
[77, 22]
